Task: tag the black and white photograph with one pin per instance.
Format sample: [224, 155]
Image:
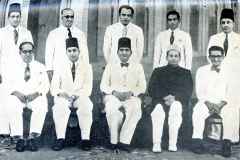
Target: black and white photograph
[119, 79]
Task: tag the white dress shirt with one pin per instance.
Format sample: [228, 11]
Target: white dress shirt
[233, 43]
[114, 78]
[210, 86]
[114, 33]
[63, 82]
[182, 39]
[56, 46]
[9, 52]
[38, 81]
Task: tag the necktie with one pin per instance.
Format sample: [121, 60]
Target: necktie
[27, 74]
[15, 36]
[225, 44]
[73, 71]
[215, 69]
[124, 64]
[171, 38]
[69, 33]
[124, 34]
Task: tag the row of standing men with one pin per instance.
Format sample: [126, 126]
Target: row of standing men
[121, 89]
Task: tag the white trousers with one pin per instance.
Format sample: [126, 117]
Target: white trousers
[229, 114]
[15, 110]
[115, 118]
[174, 122]
[4, 120]
[61, 114]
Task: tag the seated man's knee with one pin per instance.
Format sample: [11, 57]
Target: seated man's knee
[158, 111]
[176, 108]
[84, 105]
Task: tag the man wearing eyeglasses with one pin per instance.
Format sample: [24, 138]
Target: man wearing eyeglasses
[11, 37]
[173, 36]
[227, 39]
[27, 88]
[124, 28]
[55, 46]
[212, 90]
[122, 83]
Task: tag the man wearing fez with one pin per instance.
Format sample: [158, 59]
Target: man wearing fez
[173, 36]
[170, 88]
[122, 83]
[27, 88]
[55, 46]
[124, 28]
[71, 87]
[212, 89]
[227, 39]
[11, 37]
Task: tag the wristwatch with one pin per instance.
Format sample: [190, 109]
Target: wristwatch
[40, 94]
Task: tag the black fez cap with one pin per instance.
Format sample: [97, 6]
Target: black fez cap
[124, 42]
[227, 13]
[71, 42]
[14, 7]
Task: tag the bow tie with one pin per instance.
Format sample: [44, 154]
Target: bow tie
[124, 64]
[215, 69]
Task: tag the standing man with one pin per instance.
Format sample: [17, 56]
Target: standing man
[173, 36]
[227, 39]
[124, 28]
[11, 37]
[27, 88]
[71, 87]
[122, 83]
[55, 45]
[170, 88]
[212, 93]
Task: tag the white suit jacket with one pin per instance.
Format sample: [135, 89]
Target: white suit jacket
[9, 52]
[210, 85]
[38, 82]
[56, 46]
[112, 35]
[182, 39]
[114, 78]
[233, 43]
[63, 82]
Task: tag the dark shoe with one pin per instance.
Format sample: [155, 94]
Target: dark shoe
[226, 148]
[58, 145]
[112, 146]
[32, 145]
[86, 145]
[20, 145]
[125, 147]
[197, 146]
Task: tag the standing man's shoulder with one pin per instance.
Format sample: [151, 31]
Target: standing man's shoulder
[183, 32]
[114, 26]
[204, 68]
[39, 66]
[163, 33]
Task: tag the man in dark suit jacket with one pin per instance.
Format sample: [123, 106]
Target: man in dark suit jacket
[170, 88]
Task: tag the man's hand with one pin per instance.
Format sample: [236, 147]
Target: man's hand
[209, 105]
[119, 95]
[169, 100]
[32, 96]
[127, 95]
[20, 96]
[50, 75]
[219, 106]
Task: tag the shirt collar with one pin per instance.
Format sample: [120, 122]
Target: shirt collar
[12, 28]
[65, 29]
[229, 35]
[71, 63]
[175, 31]
[122, 26]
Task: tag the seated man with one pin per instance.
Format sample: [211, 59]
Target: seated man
[27, 88]
[122, 83]
[211, 92]
[71, 87]
[170, 88]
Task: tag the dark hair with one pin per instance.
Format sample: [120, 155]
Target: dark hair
[127, 7]
[216, 48]
[23, 43]
[66, 9]
[173, 12]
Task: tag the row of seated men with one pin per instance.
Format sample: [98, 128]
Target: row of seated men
[70, 75]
